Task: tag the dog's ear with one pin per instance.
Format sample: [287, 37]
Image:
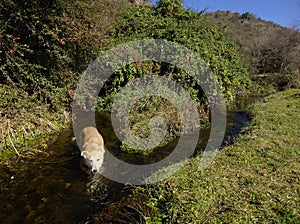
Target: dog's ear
[84, 154]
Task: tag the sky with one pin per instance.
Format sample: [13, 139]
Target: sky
[282, 12]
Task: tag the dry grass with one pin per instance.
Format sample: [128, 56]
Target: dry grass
[23, 119]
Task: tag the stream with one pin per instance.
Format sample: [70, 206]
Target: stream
[51, 186]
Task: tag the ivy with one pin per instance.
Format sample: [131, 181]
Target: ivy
[33, 50]
[168, 20]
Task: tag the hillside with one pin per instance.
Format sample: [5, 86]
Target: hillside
[242, 27]
[268, 47]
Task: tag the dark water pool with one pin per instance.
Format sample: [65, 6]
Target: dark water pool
[51, 187]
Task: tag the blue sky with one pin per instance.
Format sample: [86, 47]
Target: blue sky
[282, 12]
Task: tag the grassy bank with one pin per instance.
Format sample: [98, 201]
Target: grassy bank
[25, 123]
[255, 180]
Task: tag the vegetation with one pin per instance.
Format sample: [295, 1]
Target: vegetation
[46, 45]
[22, 120]
[256, 180]
[44, 54]
[271, 51]
[169, 21]
[34, 49]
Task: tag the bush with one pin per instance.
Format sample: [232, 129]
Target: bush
[169, 21]
[33, 51]
[277, 51]
[248, 16]
[44, 47]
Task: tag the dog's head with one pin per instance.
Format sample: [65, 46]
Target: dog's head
[93, 159]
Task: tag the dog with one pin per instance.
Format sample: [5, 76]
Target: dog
[92, 149]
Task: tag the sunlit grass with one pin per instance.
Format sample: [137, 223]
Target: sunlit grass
[256, 180]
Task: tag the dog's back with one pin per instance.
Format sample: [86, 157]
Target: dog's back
[90, 135]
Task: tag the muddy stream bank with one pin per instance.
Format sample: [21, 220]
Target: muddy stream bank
[51, 187]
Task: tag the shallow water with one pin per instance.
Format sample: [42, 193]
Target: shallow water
[51, 187]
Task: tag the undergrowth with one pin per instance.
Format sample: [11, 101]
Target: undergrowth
[24, 120]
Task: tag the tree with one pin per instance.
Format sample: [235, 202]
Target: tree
[276, 51]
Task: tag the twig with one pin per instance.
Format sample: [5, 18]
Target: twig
[13, 144]
[26, 133]
[8, 133]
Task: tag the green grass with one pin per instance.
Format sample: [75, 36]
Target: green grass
[256, 180]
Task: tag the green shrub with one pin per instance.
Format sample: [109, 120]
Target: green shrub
[169, 21]
[186, 28]
[33, 50]
[169, 7]
[248, 16]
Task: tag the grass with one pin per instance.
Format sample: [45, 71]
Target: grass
[256, 180]
[25, 123]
